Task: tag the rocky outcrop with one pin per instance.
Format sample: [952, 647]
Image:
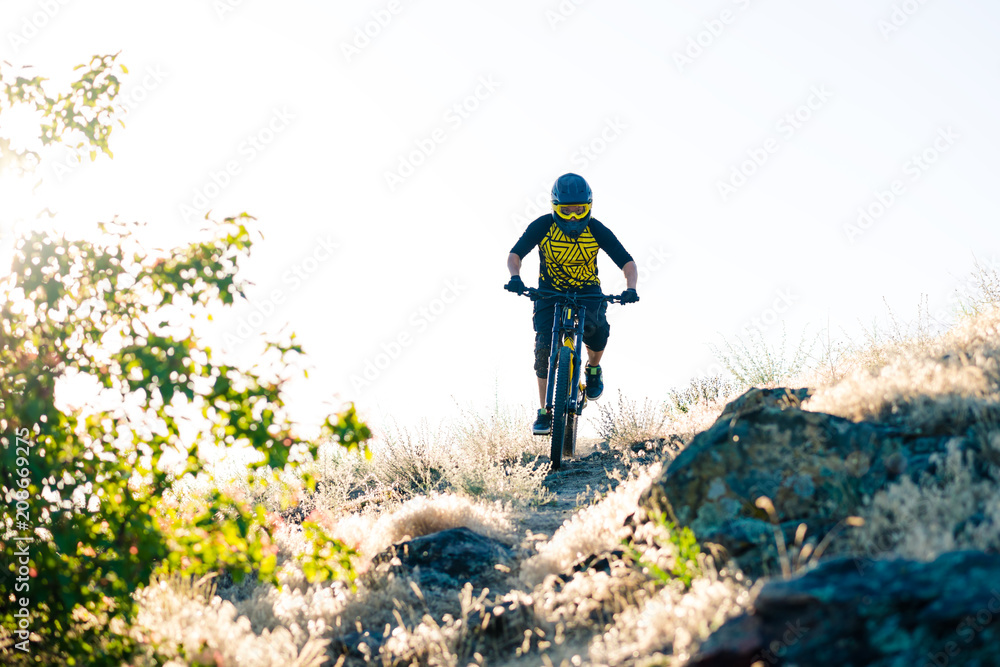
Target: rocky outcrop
[852, 612]
[817, 469]
[448, 559]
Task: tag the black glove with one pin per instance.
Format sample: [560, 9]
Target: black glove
[516, 285]
[630, 296]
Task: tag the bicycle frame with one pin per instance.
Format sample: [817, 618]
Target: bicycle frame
[567, 331]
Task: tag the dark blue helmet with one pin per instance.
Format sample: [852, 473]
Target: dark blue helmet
[572, 200]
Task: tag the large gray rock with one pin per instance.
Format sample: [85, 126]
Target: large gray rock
[848, 612]
[448, 559]
[815, 468]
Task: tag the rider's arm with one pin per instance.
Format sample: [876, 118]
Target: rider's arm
[616, 251]
[610, 244]
[631, 274]
[531, 237]
[514, 264]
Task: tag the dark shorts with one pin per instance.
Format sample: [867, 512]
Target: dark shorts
[595, 331]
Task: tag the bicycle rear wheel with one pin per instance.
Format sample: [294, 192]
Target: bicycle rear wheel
[560, 406]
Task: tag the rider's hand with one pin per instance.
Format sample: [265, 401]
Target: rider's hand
[516, 285]
[630, 295]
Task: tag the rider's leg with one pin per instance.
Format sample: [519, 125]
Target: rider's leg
[541, 367]
[541, 320]
[543, 424]
[594, 357]
[596, 331]
[595, 339]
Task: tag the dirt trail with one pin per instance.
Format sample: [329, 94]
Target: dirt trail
[592, 470]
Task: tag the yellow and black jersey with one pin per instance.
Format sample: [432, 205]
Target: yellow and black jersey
[569, 263]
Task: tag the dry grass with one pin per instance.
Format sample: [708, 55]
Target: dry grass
[182, 622]
[955, 510]
[628, 422]
[937, 385]
[492, 457]
[755, 363]
[599, 616]
[697, 406]
[908, 374]
[985, 288]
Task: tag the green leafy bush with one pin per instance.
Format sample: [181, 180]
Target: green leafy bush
[87, 519]
[82, 116]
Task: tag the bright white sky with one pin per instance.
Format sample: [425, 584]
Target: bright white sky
[552, 77]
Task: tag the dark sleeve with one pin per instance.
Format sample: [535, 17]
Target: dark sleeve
[532, 236]
[609, 243]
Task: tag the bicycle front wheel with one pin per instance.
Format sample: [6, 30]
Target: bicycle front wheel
[560, 406]
[569, 440]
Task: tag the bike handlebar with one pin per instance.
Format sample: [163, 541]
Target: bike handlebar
[535, 294]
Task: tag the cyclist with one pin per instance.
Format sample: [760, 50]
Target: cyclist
[568, 240]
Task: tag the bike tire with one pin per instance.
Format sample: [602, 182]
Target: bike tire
[560, 405]
[569, 440]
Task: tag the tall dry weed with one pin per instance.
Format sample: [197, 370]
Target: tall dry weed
[754, 362]
[628, 422]
[942, 385]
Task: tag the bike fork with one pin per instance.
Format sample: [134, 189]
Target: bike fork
[574, 386]
[554, 345]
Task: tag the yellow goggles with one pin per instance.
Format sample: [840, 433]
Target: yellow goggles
[572, 211]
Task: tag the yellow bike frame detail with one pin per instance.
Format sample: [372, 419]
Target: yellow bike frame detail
[568, 342]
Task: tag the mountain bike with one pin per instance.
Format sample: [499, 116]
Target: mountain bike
[565, 394]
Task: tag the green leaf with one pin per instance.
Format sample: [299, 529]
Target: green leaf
[61, 305]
